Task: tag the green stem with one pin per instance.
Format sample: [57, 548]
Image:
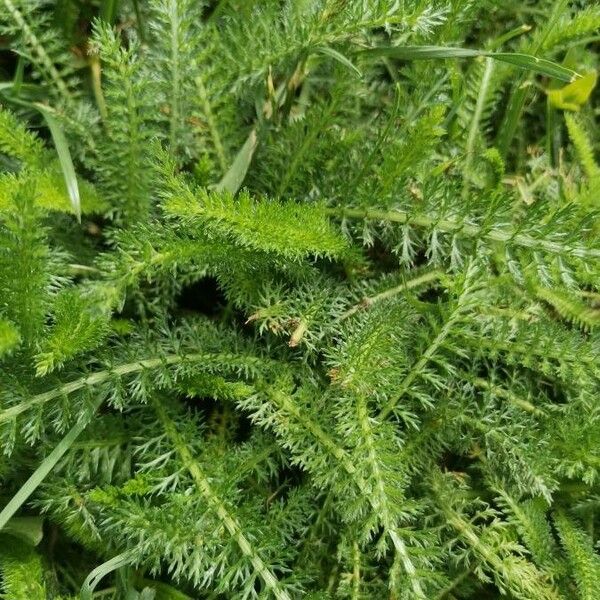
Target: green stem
[305, 146]
[469, 230]
[175, 76]
[109, 10]
[452, 585]
[139, 21]
[212, 499]
[282, 401]
[461, 303]
[410, 284]
[552, 135]
[38, 49]
[379, 498]
[505, 394]
[356, 575]
[520, 90]
[98, 378]
[420, 365]
[369, 161]
[475, 121]
[212, 126]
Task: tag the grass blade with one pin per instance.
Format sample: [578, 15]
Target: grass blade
[421, 52]
[94, 578]
[64, 157]
[327, 51]
[523, 61]
[42, 471]
[233, 179]
[27, 529]
[538, 65]
[109, 10]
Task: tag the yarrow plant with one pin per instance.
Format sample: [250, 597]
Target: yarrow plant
[299, 299]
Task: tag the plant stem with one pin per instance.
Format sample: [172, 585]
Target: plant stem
[470, 230]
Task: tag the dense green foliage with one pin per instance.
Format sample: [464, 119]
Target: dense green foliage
[299, 299]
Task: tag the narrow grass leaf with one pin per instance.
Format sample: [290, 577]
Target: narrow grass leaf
[42, 471]
[233, 179]
[94, 578]
[523, 61]
[109, 10]
[64, 157]
[537, 65]
[327, 51]
[27, 529]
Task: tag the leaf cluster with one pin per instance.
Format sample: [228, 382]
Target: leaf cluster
[327, 326]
